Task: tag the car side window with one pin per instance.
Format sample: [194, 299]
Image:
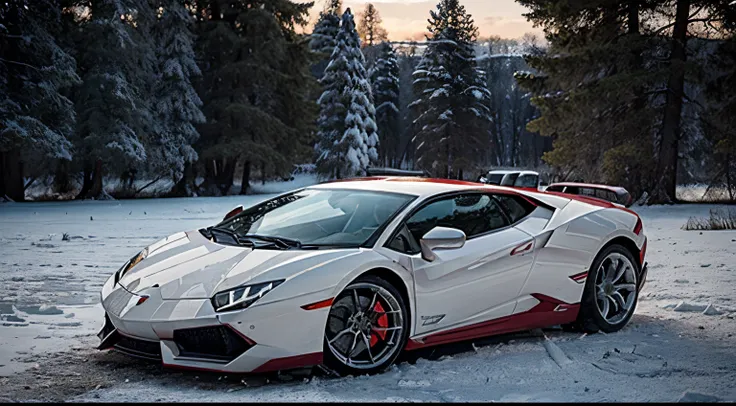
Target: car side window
[474, 214]
[587, 192]
[509, 179]
[515, 207]
[602, 194]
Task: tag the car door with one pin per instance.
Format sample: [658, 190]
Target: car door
[475, 283]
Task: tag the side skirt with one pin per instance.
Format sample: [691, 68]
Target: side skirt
[548, 312]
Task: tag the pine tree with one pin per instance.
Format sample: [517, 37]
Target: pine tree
[347, 133]
[325, 31]
[322, 39]
[370, 30]
[254, 88]
[612, 88]
[385, 86]
[36, 118]
[453, 116]
[720, 120]
[177, 108]
[118, 68]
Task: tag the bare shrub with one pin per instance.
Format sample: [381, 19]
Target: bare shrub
[719, 219]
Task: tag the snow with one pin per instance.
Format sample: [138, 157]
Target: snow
[49, 294]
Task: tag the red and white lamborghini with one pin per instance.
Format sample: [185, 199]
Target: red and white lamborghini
[349, 274]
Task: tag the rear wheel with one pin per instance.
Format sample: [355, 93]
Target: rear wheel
[367, 327]
[610, 294]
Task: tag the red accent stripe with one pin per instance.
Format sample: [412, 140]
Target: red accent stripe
[297, 361]
[318, 305]
[541, 315]
[522, 248]
[276, 364]
[638, 226]
[190, 368]
[643, 252]
[579, 276]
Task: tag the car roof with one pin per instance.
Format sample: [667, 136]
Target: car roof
[617, 189]
[409, 185]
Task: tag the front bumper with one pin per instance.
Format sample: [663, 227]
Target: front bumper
[188, 334]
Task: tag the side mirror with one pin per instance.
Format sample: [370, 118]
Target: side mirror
[440, 237]
[233, 212]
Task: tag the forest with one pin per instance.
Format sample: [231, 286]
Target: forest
[214, 95]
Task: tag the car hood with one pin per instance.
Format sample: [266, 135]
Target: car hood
[189, 266]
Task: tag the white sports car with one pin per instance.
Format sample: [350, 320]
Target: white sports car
[348, 274]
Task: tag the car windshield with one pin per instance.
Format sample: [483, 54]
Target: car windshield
[494, 178]
[319, 217]
[526, 181]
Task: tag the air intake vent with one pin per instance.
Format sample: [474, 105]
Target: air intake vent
[215, 342]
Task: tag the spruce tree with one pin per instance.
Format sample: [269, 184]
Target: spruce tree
[118, 69]
[611, 89]
[453, 117]
[254, 88]
[36, 118]
[386, 90]
[177, 108]
[347, 131]
[720, 121]
[369, 28]
[322, 39]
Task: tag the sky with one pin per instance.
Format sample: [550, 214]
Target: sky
[407, 19]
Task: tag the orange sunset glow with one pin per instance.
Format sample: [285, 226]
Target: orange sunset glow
[407, 19]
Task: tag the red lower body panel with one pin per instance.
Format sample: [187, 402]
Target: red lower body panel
[297, 361]
[548, 312]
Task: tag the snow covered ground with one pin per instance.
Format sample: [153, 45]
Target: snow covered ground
[680, 340]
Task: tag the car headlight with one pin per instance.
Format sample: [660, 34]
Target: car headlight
[242, 296]
[131, 263]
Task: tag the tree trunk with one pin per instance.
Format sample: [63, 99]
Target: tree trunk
[225, 175]
[62, 183]
[244, 185]
[86, 182]
[96, 187]
[263, 173]
[183, 188]
[664, 191]
[12, 175]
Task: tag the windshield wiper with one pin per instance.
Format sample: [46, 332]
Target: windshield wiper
[230, 233]
[280, 241]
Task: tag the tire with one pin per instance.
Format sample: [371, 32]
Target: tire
[597, 292]
[369, 340]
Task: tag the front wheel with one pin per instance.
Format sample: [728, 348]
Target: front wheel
[367, 327]
[610, 293]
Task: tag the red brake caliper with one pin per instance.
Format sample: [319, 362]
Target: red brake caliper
[381, 322]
